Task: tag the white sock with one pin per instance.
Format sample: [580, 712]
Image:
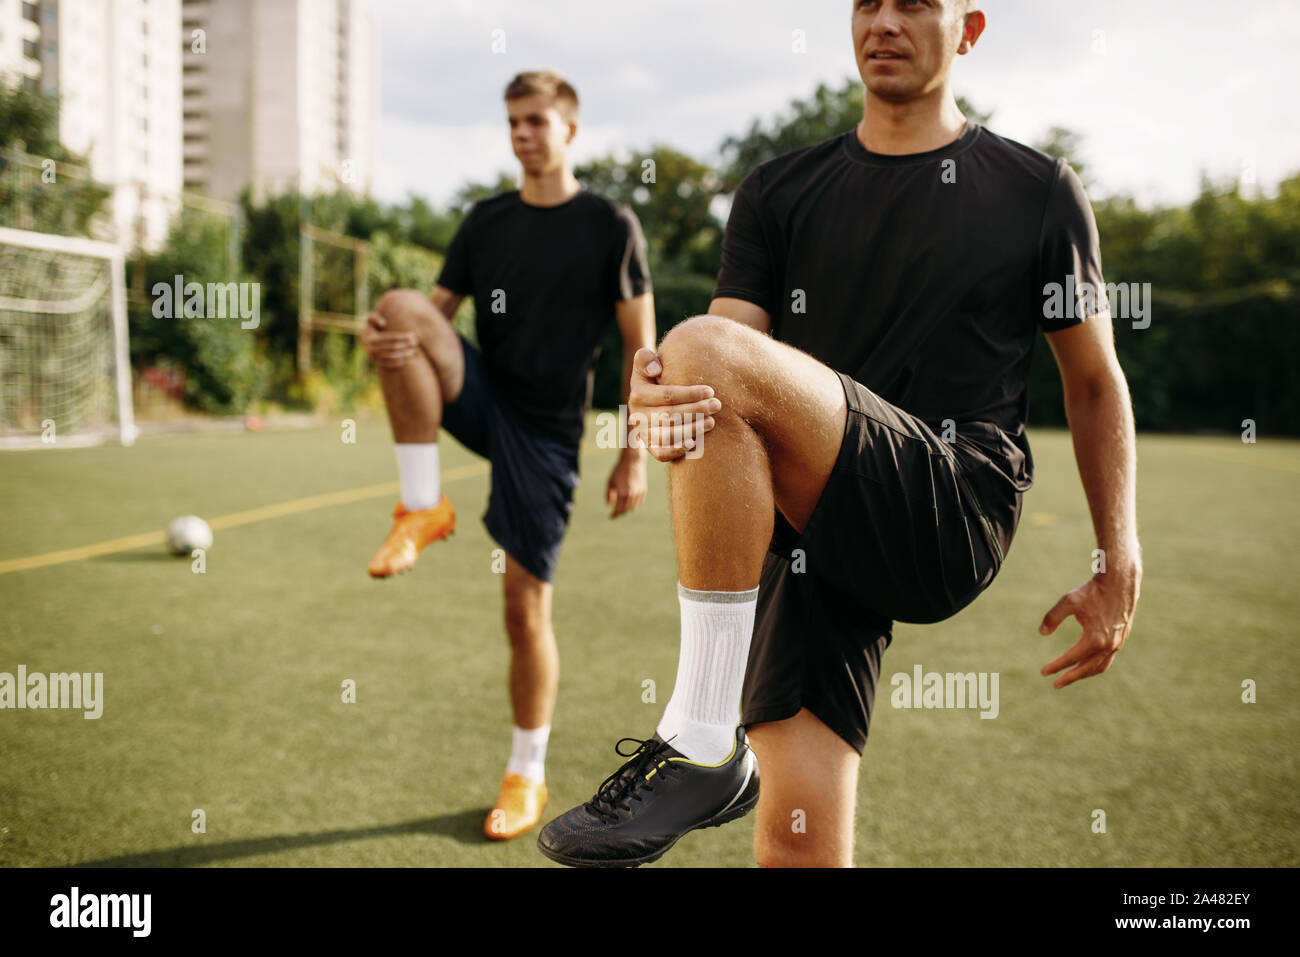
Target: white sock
[703, 713]
[528, 753]
[417, 467]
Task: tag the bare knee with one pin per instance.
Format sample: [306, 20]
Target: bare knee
[704, 349]
[406, 310]
[797, 850]
[791, 832]
[527, 615]
[809, 789]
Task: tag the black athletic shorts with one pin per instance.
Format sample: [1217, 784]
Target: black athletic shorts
[533, 476]
[897, 535]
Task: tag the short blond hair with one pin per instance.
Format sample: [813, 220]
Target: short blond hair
[546, 83]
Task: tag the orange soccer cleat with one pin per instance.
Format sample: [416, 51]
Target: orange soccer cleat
[411, 532]
[518, 808]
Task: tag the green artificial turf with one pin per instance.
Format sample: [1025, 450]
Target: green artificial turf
[222, 690]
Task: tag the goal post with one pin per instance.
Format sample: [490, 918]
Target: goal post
[332, 257]
[65, 368]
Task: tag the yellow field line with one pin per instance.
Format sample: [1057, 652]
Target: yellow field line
[227, 521]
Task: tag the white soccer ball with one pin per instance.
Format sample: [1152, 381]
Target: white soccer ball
[187, 533]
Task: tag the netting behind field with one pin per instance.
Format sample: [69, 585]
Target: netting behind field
[56, 343]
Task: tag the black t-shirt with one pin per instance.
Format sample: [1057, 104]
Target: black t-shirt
[545, 280]
[923, 277]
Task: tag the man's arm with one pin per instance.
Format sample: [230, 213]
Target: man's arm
[448, 302]
[742, 311]
[636, 324]
[1099, 411]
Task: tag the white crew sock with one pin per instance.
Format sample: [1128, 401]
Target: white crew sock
[528, 753]
[417, 467]
[703, 713]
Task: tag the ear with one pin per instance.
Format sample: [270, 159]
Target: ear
[971, 29]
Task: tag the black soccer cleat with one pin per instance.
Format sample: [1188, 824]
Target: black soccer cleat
[644, 808]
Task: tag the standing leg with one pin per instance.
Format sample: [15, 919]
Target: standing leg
[534, 680]
[810, 782]
[534, 657]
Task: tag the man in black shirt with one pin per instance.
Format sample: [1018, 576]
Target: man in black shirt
[866, 461]
[549, 266]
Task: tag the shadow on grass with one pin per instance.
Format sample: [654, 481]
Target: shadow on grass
[463, 826]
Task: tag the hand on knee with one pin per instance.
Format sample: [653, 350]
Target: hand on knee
[403, 310]
[667, 415]
[701, 351]
[389, 337]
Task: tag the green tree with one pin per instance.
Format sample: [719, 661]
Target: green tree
[827, 112]
[270, 250]
[1223, 342]
[425, 226]
[1065, 144]
[225, 368]
[472, 192]
[43, 186]
[671, 194]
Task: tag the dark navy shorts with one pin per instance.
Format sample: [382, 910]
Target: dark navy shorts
[897, 535]
[533, 476]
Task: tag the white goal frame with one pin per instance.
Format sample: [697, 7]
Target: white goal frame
[116, 257]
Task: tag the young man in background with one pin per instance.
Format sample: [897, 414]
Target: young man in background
[549, 266]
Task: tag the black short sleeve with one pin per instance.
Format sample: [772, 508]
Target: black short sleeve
[457, 269]
[628, 256]
[1069, 256]
[748, 271]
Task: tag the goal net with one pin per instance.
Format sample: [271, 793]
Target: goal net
[65, 375]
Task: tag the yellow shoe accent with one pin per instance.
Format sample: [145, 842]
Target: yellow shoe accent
[411, 532]
[518, 808]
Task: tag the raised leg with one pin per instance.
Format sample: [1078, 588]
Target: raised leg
[420, 364]
[774, 445]
[421, 367]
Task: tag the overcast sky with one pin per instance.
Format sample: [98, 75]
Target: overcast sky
[1161, 89]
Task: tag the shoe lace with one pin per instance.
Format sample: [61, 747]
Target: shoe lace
[622, 787]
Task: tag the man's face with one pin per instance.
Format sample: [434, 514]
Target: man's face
[539, 134]
[905, 48]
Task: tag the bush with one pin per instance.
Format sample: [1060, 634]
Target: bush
[226, 370]
[1205, 363]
